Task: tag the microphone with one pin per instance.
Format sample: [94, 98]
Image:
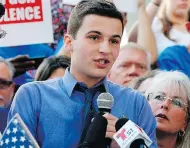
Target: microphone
[138, 143]
[95, 137]
[105, 102]
[121, 122]
[130, 135]
[2, 10]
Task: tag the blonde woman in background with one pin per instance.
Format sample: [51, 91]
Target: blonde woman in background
[169, 97]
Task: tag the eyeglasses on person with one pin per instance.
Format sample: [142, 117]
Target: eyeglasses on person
[4, 84]
[175, 101]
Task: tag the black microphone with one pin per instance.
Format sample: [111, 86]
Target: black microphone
[120, 123]
[138, 143]
[105, 102]
[2, 10]
[95, 137]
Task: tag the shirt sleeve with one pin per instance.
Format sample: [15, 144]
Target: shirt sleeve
[25, 104]
[146, 120]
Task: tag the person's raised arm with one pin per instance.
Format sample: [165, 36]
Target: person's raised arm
[145, 36]
[151, 9]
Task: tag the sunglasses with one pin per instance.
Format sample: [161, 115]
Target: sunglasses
[4, 84]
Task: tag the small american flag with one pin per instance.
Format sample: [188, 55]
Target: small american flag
[17, 135]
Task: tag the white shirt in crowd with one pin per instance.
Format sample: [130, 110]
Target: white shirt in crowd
[177, 37]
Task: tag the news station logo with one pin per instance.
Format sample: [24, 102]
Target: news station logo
[124, 134]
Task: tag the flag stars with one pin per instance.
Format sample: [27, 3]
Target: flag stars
[22, 139]
[15, 121]
[15, 130]
[8, 131]
[7, 141]
[14, 139]
[22, 146]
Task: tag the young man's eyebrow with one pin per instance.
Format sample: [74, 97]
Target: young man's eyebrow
[93, 31]
[99, 33]
[116, 36]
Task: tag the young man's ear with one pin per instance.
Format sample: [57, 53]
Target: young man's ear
[68, 39]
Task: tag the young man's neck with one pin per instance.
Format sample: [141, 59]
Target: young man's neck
[89, 81]
[165, 140]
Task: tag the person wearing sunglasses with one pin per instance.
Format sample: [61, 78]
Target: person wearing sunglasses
[6, 90]
[169, 97]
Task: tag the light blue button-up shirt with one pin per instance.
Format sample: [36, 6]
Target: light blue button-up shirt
[52, 110]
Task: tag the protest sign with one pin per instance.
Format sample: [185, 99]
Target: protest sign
[26, 22]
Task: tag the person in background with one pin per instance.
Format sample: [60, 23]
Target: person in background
[133, 61]
[6, 90]
[171, 26]
[142, 83]
[52, 67]
[175, 58]
[57, 112]
[169, 98]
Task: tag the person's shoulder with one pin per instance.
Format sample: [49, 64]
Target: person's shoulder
[124, 91]
[173, 52]
[49, 85]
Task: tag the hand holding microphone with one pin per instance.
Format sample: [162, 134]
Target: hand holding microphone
[105, 102]
[95, 137]
[111, 125]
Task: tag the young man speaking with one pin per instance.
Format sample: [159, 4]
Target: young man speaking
[55, 111]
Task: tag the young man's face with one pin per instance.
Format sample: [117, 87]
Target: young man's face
[95, 47]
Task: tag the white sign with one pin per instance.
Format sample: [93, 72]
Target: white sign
[129, 133]
[26, 22]
[70, 2]
[126, 5]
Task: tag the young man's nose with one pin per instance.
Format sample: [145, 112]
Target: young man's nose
[104, 48]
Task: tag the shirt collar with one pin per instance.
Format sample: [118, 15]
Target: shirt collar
[70, 82]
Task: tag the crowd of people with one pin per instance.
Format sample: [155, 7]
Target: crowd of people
[148, 77]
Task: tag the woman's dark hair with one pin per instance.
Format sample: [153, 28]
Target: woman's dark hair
[2, 10]
[49, 65]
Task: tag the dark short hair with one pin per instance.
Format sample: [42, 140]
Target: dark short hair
[86, 7]
[49, 65]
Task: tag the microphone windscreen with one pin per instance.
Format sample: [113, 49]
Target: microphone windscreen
[120, 123]
[137, 143]
[105, 101]
[2, 10]
[95, 136]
